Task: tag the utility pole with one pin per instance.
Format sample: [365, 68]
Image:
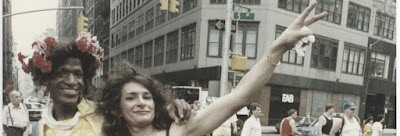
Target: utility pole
[225, 49]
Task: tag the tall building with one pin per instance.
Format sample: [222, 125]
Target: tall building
[8, 54]
[180, 47]
[98, 14]
[67, 20]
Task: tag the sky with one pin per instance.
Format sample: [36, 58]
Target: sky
[29, 27]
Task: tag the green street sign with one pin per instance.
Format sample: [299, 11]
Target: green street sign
[243, 16]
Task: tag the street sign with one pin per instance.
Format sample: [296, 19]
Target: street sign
[243, 16]
[220, 25]
[242, 13]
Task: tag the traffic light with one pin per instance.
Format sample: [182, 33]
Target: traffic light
[164, 5]
[173, 6]
[82, 23]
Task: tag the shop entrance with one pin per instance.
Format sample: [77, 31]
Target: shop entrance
[282, 100]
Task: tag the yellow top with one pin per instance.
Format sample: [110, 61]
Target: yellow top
[89, 123]
[367, 130]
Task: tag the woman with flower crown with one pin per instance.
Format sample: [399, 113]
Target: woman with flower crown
[66, 69]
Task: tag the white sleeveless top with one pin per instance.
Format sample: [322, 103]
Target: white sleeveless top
[351, 128]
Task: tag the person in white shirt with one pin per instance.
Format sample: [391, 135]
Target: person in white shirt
[15, 116]
[377, 128]
[252, 126]
[351, 123]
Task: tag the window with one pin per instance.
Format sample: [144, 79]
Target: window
[112, 41]
[246, 40]
[358, 17]
[215, 40]
[290, 56]
[159, 51]
[123, 56]
[132, 29]
[293, 5]
[118, 37]
[140, 25]
[130, 5]
[384, 25]
[120, 11]
[123, 8]
[172, 47]
[188, 42]
[149, 19]
[333, 7]
[217, 1]
[324, 53]
[105, 67]
[113, 16]
[124, 33]
[117, 14]
[379, 65]
[131, 55]
[245, 43]
[189, 4]
[160, 15]
[126, 7]
[353, 59]
[148, 54]
[139, 56]
[112, 62]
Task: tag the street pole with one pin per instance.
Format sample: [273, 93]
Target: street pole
[225, 49]
[60, 8]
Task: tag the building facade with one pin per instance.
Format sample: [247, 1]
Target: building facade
[67, 20]
[177, 48]
[9, 76]
[98, 14]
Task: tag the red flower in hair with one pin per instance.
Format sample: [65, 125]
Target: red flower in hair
[46, 68]
[50, 42]
[34, 43]
[81, 45]
[91, 49]
[25, 68]
[98, 63]
[38, 60]
[21, 57]
[47, 53]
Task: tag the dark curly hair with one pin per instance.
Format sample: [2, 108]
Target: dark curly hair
[114, 123]
[59, 54]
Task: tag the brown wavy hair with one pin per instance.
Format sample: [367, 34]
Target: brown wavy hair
[59, 54]
[114, 123]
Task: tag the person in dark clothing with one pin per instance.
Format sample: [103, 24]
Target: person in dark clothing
[326, 121]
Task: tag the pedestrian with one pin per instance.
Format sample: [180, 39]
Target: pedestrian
[365, 120]
[252, 126]
[349, 125]
[377, 127]
[130, 98]
[15, 116]
[67, 69]
[325, 121]
[367, 130]
[288, 126]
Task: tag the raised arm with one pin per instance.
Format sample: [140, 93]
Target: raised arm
[214, 115]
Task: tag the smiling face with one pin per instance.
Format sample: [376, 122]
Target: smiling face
[137, 105]
[67, 83]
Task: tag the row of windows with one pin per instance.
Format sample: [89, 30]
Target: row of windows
[145, 22]
[152, 53]
[358, 16]
[245, 40]
[126, 6]
[324, 55]
[244, 2]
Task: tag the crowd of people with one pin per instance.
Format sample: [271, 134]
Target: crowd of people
[135, 104]
[347, 125]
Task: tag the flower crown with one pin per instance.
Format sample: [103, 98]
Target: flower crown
[42, 50]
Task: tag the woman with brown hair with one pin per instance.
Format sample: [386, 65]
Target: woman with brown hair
[132, 102]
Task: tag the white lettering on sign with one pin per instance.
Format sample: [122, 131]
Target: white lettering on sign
[289, 98]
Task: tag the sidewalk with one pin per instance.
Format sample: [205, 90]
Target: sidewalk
[271, 129]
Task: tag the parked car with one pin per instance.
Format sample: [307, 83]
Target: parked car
[35, 110]
[300, 121]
